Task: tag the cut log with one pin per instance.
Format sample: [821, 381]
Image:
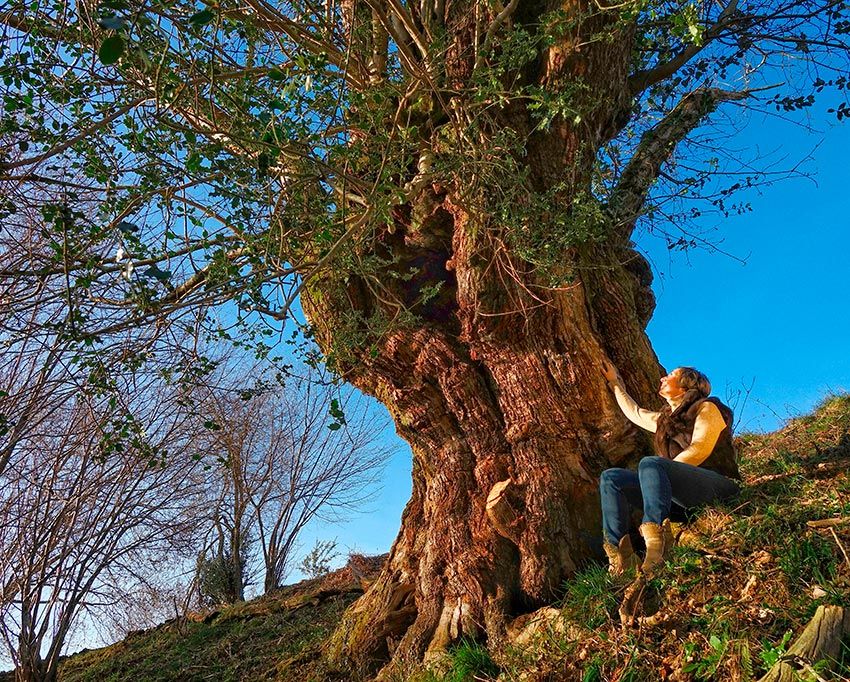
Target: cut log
[820, 640]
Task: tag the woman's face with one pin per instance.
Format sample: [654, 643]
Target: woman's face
[670, 387]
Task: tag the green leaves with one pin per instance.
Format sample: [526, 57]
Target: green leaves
[771, 654]
[338, 415]
[202, 18]
[127, 228]
[113, 23]
[156, 273]
[111, 49]
[686, 25]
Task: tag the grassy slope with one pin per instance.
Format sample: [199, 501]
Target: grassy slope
[740, 586]
[743, 580]
[252, 641]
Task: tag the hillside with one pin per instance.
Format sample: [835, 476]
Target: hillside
[741, 586]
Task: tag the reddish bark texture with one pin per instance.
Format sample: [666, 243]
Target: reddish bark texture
[500, 381]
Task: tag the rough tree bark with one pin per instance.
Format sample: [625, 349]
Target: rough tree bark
[821, 640]
[498, 388]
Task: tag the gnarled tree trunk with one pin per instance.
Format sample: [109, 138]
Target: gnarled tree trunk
[492, 397]
[514, 401]
[497, 384]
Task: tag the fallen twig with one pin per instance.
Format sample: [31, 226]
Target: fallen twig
[840, 546]
[828, 523]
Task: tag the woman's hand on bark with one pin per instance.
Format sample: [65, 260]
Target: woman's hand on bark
[612, 376]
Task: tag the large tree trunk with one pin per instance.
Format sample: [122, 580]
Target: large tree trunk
[512, 399]
[496, 385]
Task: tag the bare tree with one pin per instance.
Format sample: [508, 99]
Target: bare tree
[86, 517]
[149, 600]
[47, 358]
[287, 460]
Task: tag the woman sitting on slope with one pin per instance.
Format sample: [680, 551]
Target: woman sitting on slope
[695, 465]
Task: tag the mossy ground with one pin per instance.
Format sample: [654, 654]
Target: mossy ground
[741, 584]
[266, 639]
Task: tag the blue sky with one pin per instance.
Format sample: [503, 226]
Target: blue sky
[777, 323]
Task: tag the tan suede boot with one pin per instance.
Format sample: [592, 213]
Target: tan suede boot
[621, 557]
[659, 542]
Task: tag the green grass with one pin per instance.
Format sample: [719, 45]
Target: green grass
[593, 671]
[470, 660]
[233, 647]
[592, 596]
[466, 661]
[808, 559]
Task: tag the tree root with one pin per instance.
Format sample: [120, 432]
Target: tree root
[631, 607]
[820, 640]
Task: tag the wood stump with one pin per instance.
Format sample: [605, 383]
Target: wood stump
[820, 640]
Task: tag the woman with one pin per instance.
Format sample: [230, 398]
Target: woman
[695, 465]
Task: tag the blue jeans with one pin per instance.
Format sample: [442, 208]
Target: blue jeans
[656, 484]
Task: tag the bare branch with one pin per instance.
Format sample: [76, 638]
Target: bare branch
[271, 19]
[641, 80]
[71, 141]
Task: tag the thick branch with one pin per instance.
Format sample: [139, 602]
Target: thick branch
[402, 38]
[500, 19]
[409, 25]
[380, 48]
[198, 278]
[656, 146]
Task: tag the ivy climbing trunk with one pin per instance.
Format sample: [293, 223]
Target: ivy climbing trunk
[495, 379]
[510, 422]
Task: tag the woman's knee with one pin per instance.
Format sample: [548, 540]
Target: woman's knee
[608, 479]
[651, 462]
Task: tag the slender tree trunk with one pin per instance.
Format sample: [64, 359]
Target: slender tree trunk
[32, 667]
[237, 568]
[269, 579]
[271, 574]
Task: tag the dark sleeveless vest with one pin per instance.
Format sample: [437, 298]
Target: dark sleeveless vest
[675, 429]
